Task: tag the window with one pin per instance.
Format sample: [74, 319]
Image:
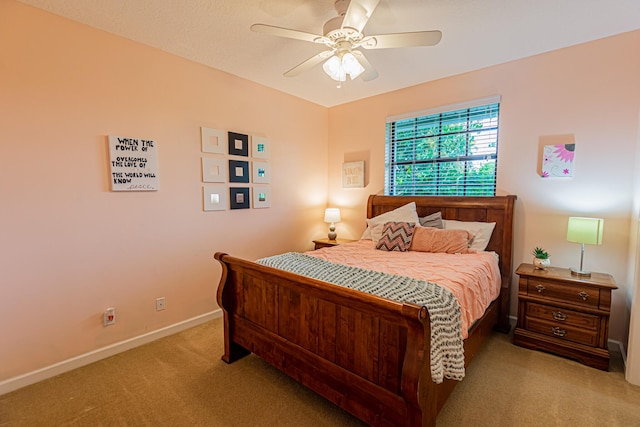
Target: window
[449, 151]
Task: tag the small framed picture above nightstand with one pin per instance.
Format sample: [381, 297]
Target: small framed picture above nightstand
[326, 243]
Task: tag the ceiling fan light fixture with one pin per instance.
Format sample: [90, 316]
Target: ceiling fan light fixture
[351, 65]
[334, 69]
[337, 68]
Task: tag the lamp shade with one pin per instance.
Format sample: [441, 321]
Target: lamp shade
[332, 215]
[585, 230]
[338, 66]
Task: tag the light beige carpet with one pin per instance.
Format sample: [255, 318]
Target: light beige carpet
[181, 381]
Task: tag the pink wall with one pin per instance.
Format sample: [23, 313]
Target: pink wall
[591, 91]
[69, 247]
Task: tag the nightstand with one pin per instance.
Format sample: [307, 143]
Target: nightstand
[326, 243]
[564, 314]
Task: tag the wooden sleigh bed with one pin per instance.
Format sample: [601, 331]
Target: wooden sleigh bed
[366, 354]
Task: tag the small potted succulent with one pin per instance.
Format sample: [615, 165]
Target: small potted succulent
[541, 258]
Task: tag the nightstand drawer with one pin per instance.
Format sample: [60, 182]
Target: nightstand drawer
[562, 331]
[566, 292]
[561, 316]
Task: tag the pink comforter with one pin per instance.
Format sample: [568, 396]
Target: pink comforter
[474, 279]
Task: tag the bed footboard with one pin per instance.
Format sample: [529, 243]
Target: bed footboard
[366, 354]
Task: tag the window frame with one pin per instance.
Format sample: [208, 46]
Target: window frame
[438, 115]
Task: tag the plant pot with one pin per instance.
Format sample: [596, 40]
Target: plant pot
[541, 264]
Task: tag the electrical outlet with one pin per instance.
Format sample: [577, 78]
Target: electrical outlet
[160, 304]
[109, 316]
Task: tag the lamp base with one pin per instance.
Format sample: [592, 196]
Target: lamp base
[332, 232]
[580, 273]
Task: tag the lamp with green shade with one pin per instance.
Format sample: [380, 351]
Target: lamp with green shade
[586, 231]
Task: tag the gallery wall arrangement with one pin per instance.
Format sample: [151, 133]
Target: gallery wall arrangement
[238, 165]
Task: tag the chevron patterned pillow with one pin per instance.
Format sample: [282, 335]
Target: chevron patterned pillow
[396, 236]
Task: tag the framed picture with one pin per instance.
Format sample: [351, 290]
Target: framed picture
[557, 160]
[353, 174]
[239, 197]
[214, 197]
[137, 170]
[260, 147]
[238, 144]
[212, 140]
[261, 173]
[261, 197]
[238, 171]
[214, 169]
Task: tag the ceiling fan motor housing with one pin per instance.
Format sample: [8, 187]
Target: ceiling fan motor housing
[334, 24]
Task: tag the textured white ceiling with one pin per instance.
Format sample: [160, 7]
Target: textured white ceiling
[476, 34]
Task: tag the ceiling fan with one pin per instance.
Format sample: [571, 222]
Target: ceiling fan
[343, 36]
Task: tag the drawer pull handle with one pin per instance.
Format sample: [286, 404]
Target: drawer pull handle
[558, 315]
[583, 295]
[540, 288]
[557, 331]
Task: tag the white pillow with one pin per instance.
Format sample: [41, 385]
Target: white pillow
[481, 231]
[406, 213]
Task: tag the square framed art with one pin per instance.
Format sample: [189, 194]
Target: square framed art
[212, 141]
[238, 171]
[260, 147]
[214, 169]
[353, 174]
[239, 197]
[261, 197]
[261, 172]
[238, 144]
[215, 198]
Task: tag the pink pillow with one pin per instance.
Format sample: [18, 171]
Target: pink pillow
[396, 236]
[429, 239]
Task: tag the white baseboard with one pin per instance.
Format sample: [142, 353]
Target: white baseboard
[38, 375]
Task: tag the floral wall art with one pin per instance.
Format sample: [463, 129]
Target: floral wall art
[557, 156]
[558, 160]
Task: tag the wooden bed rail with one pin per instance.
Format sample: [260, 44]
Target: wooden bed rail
[369, 352]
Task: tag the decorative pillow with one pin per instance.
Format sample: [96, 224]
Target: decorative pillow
[481, 231]
[433, 220]
[396, 236]
[430, 239]
[406, 213]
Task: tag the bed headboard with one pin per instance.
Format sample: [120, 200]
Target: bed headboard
[498, 209]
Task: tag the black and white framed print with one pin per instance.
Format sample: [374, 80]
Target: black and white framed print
[239, 197]
[238, 171]
[238, 144]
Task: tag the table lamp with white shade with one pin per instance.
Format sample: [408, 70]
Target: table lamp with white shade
[332, 215]
[586, 231]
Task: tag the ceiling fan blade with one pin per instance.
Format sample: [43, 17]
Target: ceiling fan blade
[369, 72]
[288, 33]
[358, 14]
[309, 63]
[384, 41]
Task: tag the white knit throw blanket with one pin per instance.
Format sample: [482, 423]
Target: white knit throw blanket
[447, 351]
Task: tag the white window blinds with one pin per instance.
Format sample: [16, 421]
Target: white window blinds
[450, 151]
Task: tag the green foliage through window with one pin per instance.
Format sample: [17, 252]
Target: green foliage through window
[451, 153]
